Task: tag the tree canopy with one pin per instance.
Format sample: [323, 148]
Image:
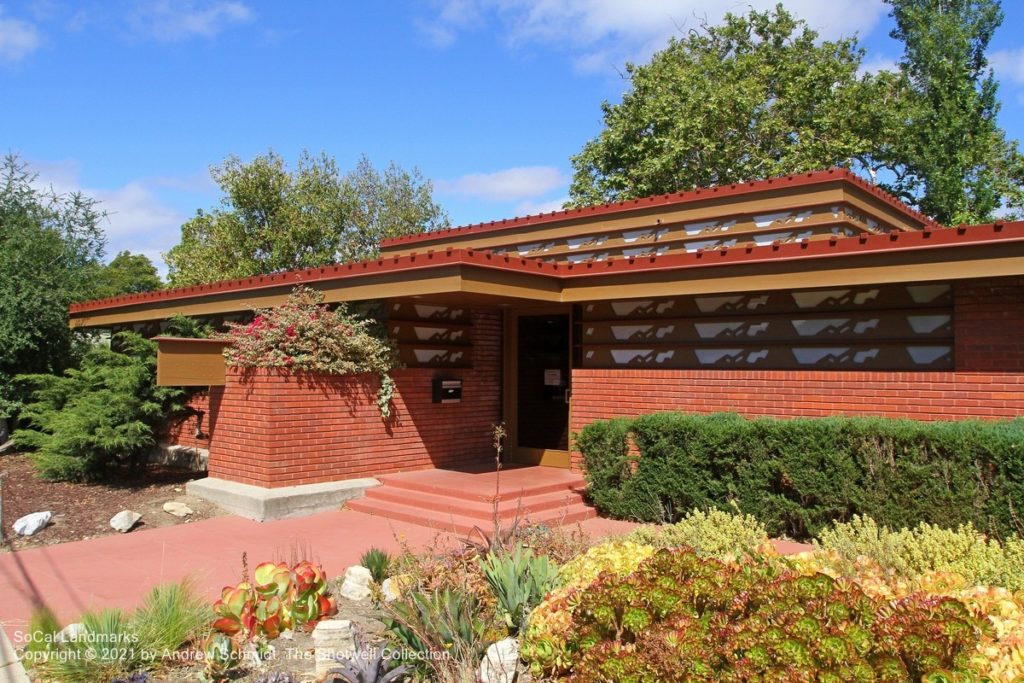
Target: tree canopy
[954, 161]
[756, 96]
[127, 273]
[50, 246]
[761, 96]
[272, 218]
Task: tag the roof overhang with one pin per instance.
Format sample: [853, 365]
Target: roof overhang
[481, 277]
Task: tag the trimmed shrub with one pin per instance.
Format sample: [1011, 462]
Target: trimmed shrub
[798, 476]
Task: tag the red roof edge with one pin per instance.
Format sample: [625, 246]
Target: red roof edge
[797, 180]
[927, 238]
[430, 259]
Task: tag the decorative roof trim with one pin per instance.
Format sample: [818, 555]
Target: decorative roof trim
[941, 238]
[812, 178]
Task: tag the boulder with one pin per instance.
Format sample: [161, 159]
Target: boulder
[125, 520]
[500, 662]
[332, 638]
[356, 585]
[177, 509]
[33, 523]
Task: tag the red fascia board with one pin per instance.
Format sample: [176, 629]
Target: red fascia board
[412, 262]
[942, 238]
[813, 178]
[993, 233]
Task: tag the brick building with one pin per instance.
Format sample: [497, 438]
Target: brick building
[806, 295]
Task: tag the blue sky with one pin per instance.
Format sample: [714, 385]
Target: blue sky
[131, 101]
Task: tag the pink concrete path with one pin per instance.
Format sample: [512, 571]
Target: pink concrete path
[118, 570]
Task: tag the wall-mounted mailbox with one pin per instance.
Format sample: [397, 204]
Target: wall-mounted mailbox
[447, 390]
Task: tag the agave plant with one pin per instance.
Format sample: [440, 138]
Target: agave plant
[519, 580]
[367, 665]
[378, 562]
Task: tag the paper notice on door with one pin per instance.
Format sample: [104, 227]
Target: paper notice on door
[552, 378]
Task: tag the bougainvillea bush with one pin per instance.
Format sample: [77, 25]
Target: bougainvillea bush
[303, 334]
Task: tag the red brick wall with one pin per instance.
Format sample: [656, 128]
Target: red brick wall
[988, 381]
[182, 430]
[277, 429]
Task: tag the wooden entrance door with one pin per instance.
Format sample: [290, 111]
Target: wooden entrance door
[538, 373]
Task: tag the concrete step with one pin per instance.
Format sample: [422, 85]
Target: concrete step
[508, 507]
[463, 524]
[511, 488]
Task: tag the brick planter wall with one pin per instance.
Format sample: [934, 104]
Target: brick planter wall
[182, 430]
[281, 429]
[988, 381]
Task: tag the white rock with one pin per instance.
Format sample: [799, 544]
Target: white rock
[124, 520]
[332, 638]
[30, 524]
[392, 589]
[500, 662]
[177, 509]
[70, 632]
[357, 583]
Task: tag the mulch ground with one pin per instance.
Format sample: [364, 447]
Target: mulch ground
[82, 511]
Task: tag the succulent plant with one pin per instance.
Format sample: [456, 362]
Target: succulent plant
[136, 677]
[279, 598]
[276, 677]
[221, 655]
[682, 617]
[369, 664]
[378, 562]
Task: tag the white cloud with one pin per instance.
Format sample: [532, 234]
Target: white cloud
[18, 38]
[137, 218]
[530, 208]
[1009, 65]
[879, 63]
[601, 33]
[170, 20]
[524, 182]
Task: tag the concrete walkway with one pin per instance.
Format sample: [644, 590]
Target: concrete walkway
[118, 570]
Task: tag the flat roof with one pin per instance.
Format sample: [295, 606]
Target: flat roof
[677, 199]
[990, 250]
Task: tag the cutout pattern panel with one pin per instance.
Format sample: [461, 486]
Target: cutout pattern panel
[829, 221]
[431, 336]
[898, 327]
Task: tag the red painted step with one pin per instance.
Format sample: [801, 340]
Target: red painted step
[458, 501]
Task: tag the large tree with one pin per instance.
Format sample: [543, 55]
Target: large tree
[50, 246]
[954, 160]
[127, 273]
[757, 96]
[273, 219]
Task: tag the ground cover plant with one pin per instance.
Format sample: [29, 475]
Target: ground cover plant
[797, 476]
[628, 610]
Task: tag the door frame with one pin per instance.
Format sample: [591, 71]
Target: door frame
[548, 457]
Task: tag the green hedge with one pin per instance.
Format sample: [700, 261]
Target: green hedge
[797, 476]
